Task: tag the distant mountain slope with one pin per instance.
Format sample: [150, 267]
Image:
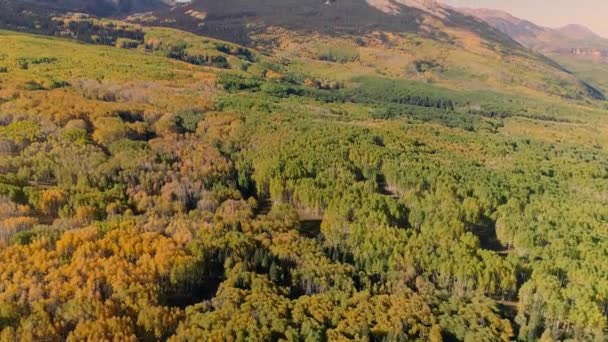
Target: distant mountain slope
[232, 18]
[97, 7]
[568, 40]
[579, 32]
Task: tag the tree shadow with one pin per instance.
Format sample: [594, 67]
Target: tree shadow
[205, 290]
[485, 230]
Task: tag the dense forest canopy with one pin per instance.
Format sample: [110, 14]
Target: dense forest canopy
[160, 185]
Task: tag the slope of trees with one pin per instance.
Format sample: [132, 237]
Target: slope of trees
[150, 203]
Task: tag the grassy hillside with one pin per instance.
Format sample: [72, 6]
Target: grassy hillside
[437, 45]
[592, 70]
[177, 187]
[576, 47]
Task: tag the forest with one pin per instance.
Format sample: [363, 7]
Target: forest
[157, 185]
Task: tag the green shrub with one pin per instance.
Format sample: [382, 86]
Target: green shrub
[22, 131]
[450, 119]
[32, 86]
[24, 63]
[125, 43]
[189, 119]
[337, 54]
[281, 90]
[27, 237]
[237, 51]
[55, 84]
[126, 145]
[233, 82]
[13, 193]
[425, 65]
[243, 104]
[77, 136]
[219, 62]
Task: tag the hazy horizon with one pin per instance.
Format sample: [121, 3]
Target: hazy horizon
[590, 13]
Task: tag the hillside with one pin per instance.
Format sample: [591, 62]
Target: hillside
[591, 70]
[440, 183]
[575, 47]
[223, 184]
[407, 39]
[417, 40]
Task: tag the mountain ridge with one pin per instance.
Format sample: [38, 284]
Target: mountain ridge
[582, 31]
